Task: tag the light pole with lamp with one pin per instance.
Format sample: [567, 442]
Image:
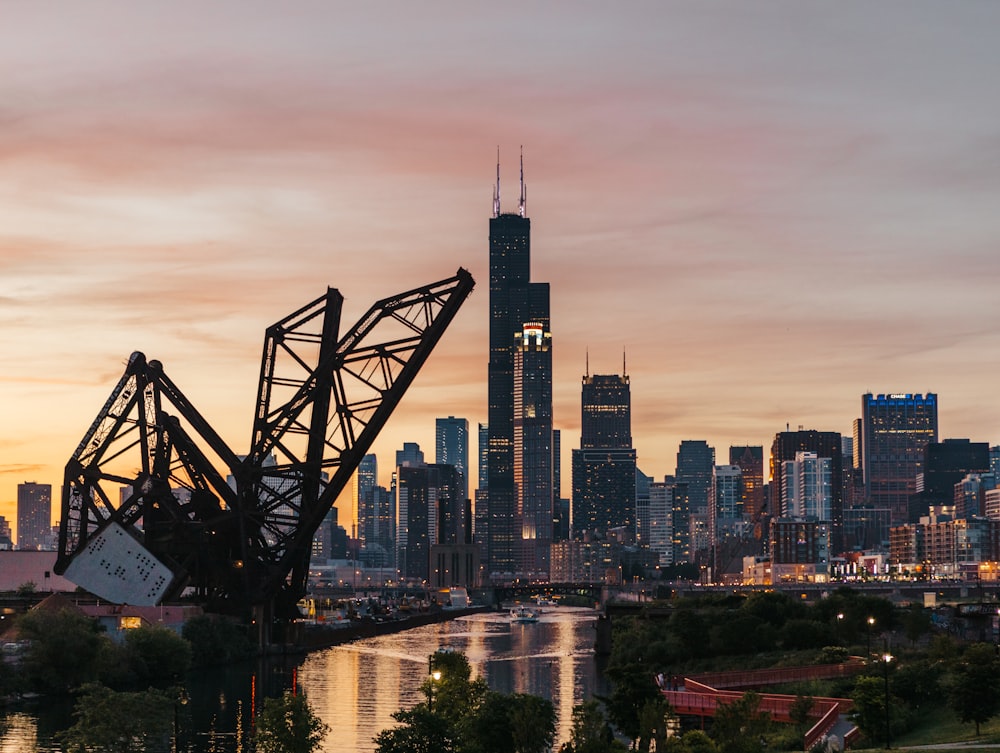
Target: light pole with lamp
[868, 656]
[435, 675]
[180, 699]
[886, 658]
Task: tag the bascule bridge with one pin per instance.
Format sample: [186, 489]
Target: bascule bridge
[236, 530]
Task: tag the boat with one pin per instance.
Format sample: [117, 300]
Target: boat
[523, 615]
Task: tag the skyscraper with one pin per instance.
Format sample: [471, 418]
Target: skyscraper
[533, 467]
[825, 444]
[695, 465]
[604, 466]
[34, 515]
[895, 429]
[367, 480]
[514, 300]
[451, 447]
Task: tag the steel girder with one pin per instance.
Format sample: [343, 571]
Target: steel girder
[244, 538]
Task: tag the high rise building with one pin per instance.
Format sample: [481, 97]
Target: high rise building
[946, 463]
[451, 447]
[825, 444]
[480, 525]
[695, 465]
[604, 471]
[533, 451]
[366, 481]
[34, 515]
[750, 459]
[895, 430]
[514, 300]
[806, 486]
[725, 518]
[659, 530]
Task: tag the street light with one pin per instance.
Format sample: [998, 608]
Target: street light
[868, 656]
[180, 699]
[886, 658]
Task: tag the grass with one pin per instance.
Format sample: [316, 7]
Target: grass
[940, 727]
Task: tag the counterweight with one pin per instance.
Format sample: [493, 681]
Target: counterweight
[154, 501]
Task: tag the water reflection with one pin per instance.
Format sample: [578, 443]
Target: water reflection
[355, 688]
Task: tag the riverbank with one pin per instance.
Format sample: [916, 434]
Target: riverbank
[312, 637]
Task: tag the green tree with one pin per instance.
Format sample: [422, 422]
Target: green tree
[801, 711]
[63, 650]
[119, 722]
[632, 687]
[288, 725]
[158, 656]
[974, 687]
[653, 724]
[740, 726]
[454, 695]
[217, 640]
[420, 730]
[868, 711]
[590, 732]
[517, 723]
[916, 623]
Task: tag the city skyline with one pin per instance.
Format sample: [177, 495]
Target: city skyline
[771, 210]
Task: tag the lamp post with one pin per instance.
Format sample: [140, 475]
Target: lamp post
[840, 621]
[435, 675]
[868, 656]
[180, 699]
[886, 658]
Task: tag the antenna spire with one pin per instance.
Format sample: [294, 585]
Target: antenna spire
[521, 205]
[624, 370]
[496, 188]
[586, 370]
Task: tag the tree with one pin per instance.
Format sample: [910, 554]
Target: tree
[590, 732]
[420, 731]
[801, 710]
[119, 722]
[916, 623]
[288, 725]
[868, 711]
[653, 724]
[63, 650]
[158, 656]
[216, 640]
[454, 695]
[633, 687]
[740, 726]
[517, 723]
[974, 688]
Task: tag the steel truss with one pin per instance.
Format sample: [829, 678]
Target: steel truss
[239, 529]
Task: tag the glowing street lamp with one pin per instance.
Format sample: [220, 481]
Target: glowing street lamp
[868, 656]
[886, 658]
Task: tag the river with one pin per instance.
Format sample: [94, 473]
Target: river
[356, 687]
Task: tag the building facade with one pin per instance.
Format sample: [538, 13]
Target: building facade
[895, 431]
[514, 299]
[533, 448]
[34, 516]
[451, 447]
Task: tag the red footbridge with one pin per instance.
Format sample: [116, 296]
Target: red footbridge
[702, 695]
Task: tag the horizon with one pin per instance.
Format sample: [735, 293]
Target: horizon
[770, 210]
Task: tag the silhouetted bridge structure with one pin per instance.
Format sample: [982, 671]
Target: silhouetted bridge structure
[520, 591]
[703, 695]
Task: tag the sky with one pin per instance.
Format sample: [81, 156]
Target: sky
[768, 209]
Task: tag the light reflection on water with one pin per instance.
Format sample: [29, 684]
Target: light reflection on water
[356, 687]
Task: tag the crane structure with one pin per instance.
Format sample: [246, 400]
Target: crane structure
[156, 504]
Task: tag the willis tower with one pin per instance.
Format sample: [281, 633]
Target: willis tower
[514, 301]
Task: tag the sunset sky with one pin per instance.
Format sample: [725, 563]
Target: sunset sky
[770, 207]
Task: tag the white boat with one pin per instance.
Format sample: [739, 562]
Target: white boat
[522, 614]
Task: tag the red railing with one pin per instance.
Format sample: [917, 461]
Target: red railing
[698, 698]
[757, 677]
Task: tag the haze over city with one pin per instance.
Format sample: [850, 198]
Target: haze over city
[769, 209]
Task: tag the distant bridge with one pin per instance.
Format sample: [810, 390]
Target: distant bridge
[518, 591]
